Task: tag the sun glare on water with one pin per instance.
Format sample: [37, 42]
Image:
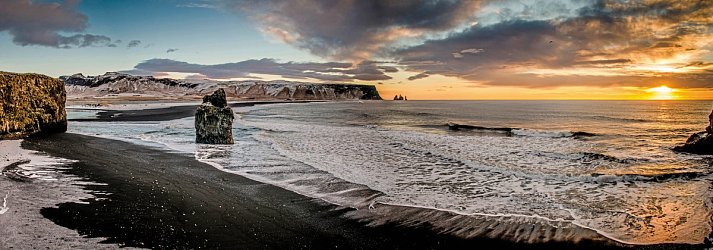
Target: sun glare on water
[662, 93]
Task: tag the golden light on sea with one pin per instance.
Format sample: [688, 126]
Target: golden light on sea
[662, 93]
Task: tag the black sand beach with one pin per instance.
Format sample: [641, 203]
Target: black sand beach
[158, 199]
[164, 114]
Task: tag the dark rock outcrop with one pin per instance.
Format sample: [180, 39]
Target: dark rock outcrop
[31, 104]
[400, 98]
[352, 91]
[214, 120]
[709, 129]
[77, 79]
[701, 142]
[217, 99]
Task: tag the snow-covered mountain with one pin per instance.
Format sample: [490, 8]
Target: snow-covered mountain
[112, 83]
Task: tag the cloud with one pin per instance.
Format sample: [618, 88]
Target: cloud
[419, 76]
[44, 24]
[604, 43]
[528, 43]
[466, 51]
[133, 43]
[200, 4]
[608, 61]
[471, 51]
[548, 43]
[530, 80]
[329, 71]
[196, 77]
[518, 42]
[353, 29]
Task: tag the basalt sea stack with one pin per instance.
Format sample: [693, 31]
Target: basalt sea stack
[214, 120]
[701, 142]
[31, 104]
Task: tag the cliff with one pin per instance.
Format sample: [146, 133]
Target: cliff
[109, 84]
[31, 104]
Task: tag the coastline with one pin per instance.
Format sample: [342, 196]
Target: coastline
[159, 199]
[165, 113]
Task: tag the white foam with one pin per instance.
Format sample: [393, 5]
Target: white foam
[540, 133]
[35, 164]
[4, 207]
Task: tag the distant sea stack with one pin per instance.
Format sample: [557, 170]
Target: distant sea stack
[31, 104]
[214, 120]
[118, 84]
[701, 142]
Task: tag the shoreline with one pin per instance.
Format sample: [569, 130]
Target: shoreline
[161, 199]
[29, 182]
[165, 113]
[523, 229]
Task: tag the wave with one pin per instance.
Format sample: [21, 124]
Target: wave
[608, 178]
[508, 131]
[551, 134]
[588, 156]
[531, 228]
[618, 119]
[456, 127]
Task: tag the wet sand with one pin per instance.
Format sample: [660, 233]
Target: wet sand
[22, 226]
[160, 199]
[165, 114]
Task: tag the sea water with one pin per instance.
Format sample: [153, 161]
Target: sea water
[603, 165]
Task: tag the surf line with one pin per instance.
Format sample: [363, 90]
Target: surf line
[4, 207]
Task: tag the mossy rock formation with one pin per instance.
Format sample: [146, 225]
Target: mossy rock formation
[31, 104]
[214, 120]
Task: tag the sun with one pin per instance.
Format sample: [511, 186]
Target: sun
[662, 93]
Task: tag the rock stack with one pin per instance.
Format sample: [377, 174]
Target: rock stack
[31, 104]
[701, 142]
[214, 120]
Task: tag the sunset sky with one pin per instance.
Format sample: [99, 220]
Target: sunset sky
[576, 49]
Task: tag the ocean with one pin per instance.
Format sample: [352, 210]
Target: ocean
[600, 165]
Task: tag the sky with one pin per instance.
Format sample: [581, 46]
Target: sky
[449, 49]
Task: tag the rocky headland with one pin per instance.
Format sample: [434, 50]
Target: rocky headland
[31, 104]
[701, 142]
[119, 84]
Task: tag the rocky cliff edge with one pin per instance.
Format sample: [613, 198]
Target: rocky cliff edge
[31, 104]
[116, 84]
